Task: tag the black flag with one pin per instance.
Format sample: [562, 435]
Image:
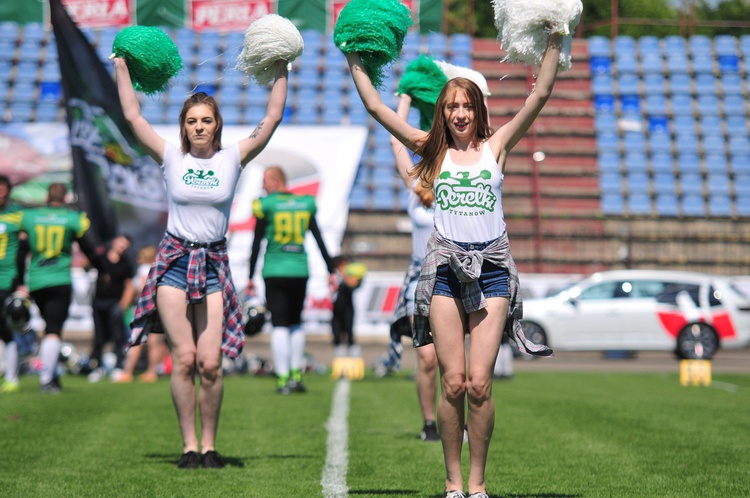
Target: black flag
[118, 185]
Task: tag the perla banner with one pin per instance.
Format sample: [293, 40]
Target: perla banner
[222, 15]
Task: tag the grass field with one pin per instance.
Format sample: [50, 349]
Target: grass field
[556, 435]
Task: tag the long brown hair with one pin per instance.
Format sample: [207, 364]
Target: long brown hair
[192, 101]
[434, 147]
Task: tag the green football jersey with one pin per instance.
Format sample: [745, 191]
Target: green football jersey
[10, 226]
[51, 232]
[288, 218]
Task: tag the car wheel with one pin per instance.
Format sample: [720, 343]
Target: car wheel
[697, 341]
[534, 333]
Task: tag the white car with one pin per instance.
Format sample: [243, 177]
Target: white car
[692, 314]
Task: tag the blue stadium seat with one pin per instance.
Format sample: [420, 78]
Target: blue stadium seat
[688, 162]
[155, 113]
[667, 204]
[705, 83]
[656, 104]
[461, 44]
[600, 65]
[719, 205]
[677, 63]
[332, 116]
[691, 183]
[660, 141]
[21, 112]
[612, 204]
[708, 104]
[686, 144]
[658, 124]
[740, 165]
[682, 105]
[609, 161]
[742, 205]
[24, 91]
[649, 45]
[652, 64]
[599, 46]
[638, 183]
[630, 104]
[231, 114]
[715, 162]
[639, 204]
[604, 103]
[26, 71]
[602, 84]
[718, 184]
[610, 182]
[680, 83]
[607, 142]
[734, 105]
[633, 140]
[736, 125]
[358, 115]
[436, 45]
[624, 44]
[674, 43]
[700, 45]
[703, 64]
[9, 31]
[626, 62]
[47, 112]
[605, 122]
[305, 116]
[653, 84]
[725, 45]
[662, 162]
[693, 205]
[664, 183]
[635, 161]
[358, 197]
[7, 51]
[731, 84]
[739, 145]
[384, 199]
[713, 143]
[742, 184]
[33, 31]
[711, 124]
[745, 45]
[684, 124]
[50, 91]
[729, 63]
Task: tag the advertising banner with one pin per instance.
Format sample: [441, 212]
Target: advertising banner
[96, 13]
[228, 15]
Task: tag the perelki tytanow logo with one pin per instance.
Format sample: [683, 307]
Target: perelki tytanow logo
[200, 179]
[465, 196]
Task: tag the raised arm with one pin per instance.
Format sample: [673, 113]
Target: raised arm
[251, 146]
[504, 139]
[151, 141]
[404, 162]
[399, 128]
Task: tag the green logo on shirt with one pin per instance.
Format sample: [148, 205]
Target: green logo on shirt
[465, 192]
[200, 179]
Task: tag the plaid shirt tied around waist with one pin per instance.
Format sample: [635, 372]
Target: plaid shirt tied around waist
[146, 319]
[467, 265]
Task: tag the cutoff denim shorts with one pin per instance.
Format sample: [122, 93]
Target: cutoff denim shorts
[176, 276]
[493, 281]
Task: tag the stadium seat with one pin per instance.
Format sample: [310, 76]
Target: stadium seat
[703, 64]
[609, 161]
[715, 162]
[630, 103]
[677, 63]
[638, 183]
[437, 46]
[24, 91]
[599, 46]
[639, 204]
[656, 104]
[155, 113]
[682, 105]
[358, 197]
[691, 183]
[664, 182]
[736, 125]
[305, 116]
[358, 115]
[718, 184]
[33, 31]
[667, 204]
[708, 104]
[734, 105]
[693, 205]
[9, 31]
[460, 44]
[610, 182]
[50, 91]
[729, 63]
[682, 124]
[688, 162]
[740, 165]
[605, 122]
[739, 145]
[725, 45]
[231, 114]
[660, 141]
[624, 44]
[26, 71]
[649, 45]
[745, 45]
[713, 143]
[680, 83]
[742, 184]
[742, 205]
[652, 64]
[731, 84]
[602, 84]
[658, 124]
[47, 112]
[686, 144]
[719, 205]
[604, 102]
[600, 65]
[700, 45]
[711, 125]
[674, 43]
[612, 204]
[705, 83]
[384, 199]
[633, 140]
[635, 161]
[21, 111]
[607, 142]
[626, 62]
[653, 84]
[662, 162]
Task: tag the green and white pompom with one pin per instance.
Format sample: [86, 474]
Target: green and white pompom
[269, 39]
[524, 26]
[375, 29]
[452, 71]
[152, 57]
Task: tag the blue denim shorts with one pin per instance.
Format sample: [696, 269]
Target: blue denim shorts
[176, 276]
[493, 281]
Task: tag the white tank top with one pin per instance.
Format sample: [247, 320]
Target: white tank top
[200, 192]
[468, 199]
[422, 221]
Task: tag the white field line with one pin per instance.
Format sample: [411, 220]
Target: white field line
[333, 480]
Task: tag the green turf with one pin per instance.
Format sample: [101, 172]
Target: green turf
[556, 435]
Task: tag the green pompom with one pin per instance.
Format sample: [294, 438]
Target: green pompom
[375, 29]
[152, 57]
[422, 81]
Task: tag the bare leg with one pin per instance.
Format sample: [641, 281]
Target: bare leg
[446, 321]
[426, 380]
[173, 312]
[209, 319]
[486, 332]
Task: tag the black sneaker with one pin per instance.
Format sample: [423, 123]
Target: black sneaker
[189, 460]
[296, 386]
[285, 389]
[52, 386]
[430, 432]
[211, 460]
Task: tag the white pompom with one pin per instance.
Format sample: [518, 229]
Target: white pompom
[452, 71]
[524, 25]
[269, 39]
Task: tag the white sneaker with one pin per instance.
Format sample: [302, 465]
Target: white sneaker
[116, 374]
[96, 375]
